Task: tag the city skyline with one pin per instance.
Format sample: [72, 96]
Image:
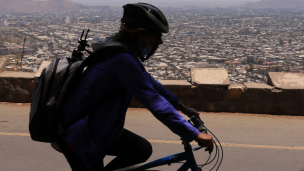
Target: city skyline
[248, 43]
[162, 3]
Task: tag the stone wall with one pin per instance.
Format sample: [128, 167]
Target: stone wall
[238, 98]
[243, 98]
[17, 87]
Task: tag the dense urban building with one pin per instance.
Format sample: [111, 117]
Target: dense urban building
[248, 43]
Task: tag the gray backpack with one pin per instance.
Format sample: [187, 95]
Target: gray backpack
[54, 87]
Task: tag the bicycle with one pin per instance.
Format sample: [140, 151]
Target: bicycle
[190, 162]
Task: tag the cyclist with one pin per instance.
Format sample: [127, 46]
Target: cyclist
[101, 132]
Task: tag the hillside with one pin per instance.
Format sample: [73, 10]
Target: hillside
[8, 6]
[276, 4]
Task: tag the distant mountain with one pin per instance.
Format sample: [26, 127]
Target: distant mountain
[276, 4]
[8, 6]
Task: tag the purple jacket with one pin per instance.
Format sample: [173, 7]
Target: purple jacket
[117, 80]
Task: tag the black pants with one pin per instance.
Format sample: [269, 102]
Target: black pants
[129, 148]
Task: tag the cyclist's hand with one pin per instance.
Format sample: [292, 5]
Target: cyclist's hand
[187, 110]
[190, 111]
[208, 139]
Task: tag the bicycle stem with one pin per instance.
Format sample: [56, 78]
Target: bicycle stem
[191, 159]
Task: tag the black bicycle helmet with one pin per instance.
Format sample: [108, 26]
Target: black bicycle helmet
[143, 15]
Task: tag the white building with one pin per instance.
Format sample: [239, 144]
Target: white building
[5, 23]
[67, 20]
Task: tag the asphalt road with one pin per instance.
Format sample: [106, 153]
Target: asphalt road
[250, 142]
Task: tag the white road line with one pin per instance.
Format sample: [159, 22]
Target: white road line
[234, 145]
[179, 142]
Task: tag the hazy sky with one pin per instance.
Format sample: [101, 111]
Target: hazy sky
[156, 2]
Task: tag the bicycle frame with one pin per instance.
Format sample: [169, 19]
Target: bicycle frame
[187, 156]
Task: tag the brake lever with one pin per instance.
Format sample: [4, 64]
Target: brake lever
[199, 124]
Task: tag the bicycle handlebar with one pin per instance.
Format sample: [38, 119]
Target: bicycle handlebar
[199, 124]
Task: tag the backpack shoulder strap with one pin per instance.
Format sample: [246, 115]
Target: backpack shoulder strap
[105, 50]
